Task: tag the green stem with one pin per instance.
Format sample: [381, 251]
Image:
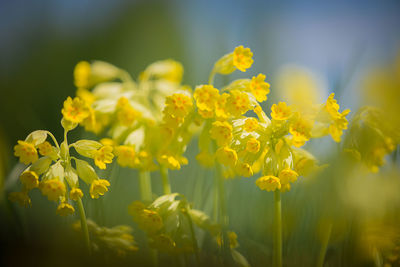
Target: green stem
[223, 217]
[84, 226]
[325, 243]
[211, 77]
[277, 260]
[165, 180]
[145, 186]
[194, 239]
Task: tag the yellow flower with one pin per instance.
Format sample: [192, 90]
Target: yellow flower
[206, 97]
[242, 58]
[126, 156]
[259, 88]
[253, 145]
[102, 156]
[21, 198]
[126, 114]
[280, 111]
[268, 183]
[221, 131]
[26, 152]
[65, 209]
[288, 176]
[178, 105]
[45, 148]
[226, 156]
[244, 169]
[238, 103]
[75, 194]
[220, 107]
[332, 107]
[339, 124]
[29, 179]
[53, 189]
[82, 74]
[75, 110]
[301, 132]
[150, 221]
[206, 114]
[250, 125]
[206, 159]
[232, 236]
[169, 161]
[98, 188]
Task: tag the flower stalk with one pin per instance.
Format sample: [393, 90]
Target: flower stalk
[277, 259]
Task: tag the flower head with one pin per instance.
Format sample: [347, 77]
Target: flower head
[75, 194]
[206, 97]
[75, 110]
[45, 148]
[82, 74]
[226, 156]
[26, 152]
[268, 183]
[29, 179]
[238, 103]
[65, 209]
[244, 169]
[253, 145]
[178, 105]
[221, 131]
[259, 88]
[53, 189]
[288, 176]
[281, 111]
[242, 58]
[98, 188]
[250, 125]
[126, 156]
[102, 156]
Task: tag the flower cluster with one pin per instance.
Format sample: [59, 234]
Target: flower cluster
[50, 166]
[145, 118]
[245, 144]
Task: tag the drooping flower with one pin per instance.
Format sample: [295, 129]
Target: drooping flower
[26, 152]
[99, 187]
[65, 209]
[238, 103]
[29, 179]
[268, 183]
[242, 58]
[259, 88]
[221, 131]
[102, 156]
[53, 189]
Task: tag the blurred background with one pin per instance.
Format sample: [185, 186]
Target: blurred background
[339, 42]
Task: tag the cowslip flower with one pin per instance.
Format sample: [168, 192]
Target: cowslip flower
[75, 110]
[102, 156]
[206, 97]
[238, 103]
[281, 111]
[259, 88]
[226, 156]
[221, 132]
[242, 58]
[126, 156]
[178, 105]
[98, 187]
[268, 183]
[26, 152]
